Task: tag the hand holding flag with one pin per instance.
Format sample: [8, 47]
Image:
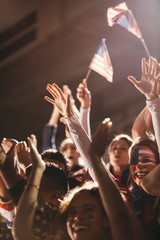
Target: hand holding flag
[101, 62]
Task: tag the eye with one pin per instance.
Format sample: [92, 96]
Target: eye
[124, 149]
[71, 212]
[89, 209]
[146, 160]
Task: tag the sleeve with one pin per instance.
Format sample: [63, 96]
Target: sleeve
[84, 119]
[154, 108]
[82, 142]
[7, 210]
[49, 137]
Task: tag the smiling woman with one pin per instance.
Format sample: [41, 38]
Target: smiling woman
[143, 158]
[86, 217]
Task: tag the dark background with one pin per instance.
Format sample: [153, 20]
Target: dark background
[54, 41]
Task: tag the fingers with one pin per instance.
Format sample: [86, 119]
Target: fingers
[58, 91]
[107, 122]
[66, 89]
[50, 89]
[55, 91]
[158, 85]
[144, 67]
[85, 83]
[49, 100]
[21, 146]
[133, 80]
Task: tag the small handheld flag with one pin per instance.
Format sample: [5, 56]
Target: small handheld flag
[124, 17]
[101, 62]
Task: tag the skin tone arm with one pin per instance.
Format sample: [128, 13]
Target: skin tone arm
[3, 190]
[113, 203]
[150, 87]
[79, 136]
[23, 222]
[142, 124]
[8, 172]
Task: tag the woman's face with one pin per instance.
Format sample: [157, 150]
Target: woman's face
[119, 153]
[142, 162]
[86, 219]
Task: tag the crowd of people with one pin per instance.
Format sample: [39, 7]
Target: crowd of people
[70, 192]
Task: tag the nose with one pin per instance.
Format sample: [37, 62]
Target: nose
[79, 216]
[139, 166]
[117, 150]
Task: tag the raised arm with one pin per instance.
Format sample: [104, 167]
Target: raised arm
[115, 207]
[78, 134]
[23, 222]
[142, 125]
[84, 96]
[150, 87]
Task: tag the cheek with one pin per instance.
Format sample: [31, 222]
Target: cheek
[69, 227]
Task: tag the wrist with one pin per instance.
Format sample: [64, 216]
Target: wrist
[151, 97]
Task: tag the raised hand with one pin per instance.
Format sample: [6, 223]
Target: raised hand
[83, 94]
[61, 101]
[148, 83]
[37, 161]
[23, 155]
[2, 156]
[100, 138]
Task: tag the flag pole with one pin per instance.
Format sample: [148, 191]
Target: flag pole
[145, 47]
[88, 74]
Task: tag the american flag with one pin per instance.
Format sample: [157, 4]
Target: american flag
[101, 62]
[124, 17]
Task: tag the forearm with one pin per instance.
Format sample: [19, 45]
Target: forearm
[85, 120]
[154, 108]
[139, 126]
[112, 201]
[81, 141]
[23, 222]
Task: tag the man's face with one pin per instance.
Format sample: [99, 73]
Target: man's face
[119, 153]
[142, 162]
[85, 218]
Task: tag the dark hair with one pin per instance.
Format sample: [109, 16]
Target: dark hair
[53, 154]
[54, 172]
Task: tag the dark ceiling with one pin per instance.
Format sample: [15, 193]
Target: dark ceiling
[54, 41]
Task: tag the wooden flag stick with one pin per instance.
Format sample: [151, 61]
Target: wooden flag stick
[88, 73]
[145, 47]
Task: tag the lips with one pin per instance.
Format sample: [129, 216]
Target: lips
[142, 174]
[80, 228]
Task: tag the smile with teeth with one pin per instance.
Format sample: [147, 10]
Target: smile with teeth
[80, 228]
[141, 174]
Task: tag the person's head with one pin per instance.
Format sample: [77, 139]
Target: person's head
[52, 155]
[54, 184]
[86, 217]
[118, 150]
[143, 158]
[68, 148]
